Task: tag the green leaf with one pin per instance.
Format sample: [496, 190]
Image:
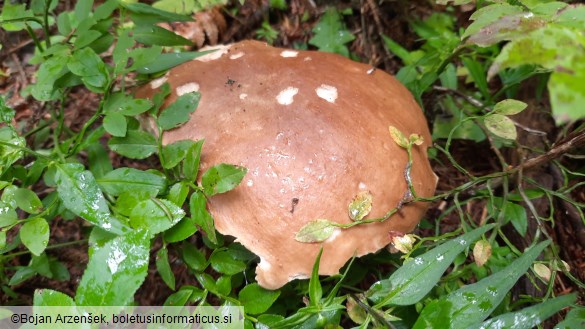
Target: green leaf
[164, 268]
[360, 206]
[6, 113]
[115, 271]
[257, 300]
[136, 145]
[500, 126]
[193, 257]
[155, 215]
[143, 13]
[8, 215]
[473, 303]
[509, 107]
[9, 155]
[199, 213]
[315, 231]
[574, 319]
[2, 241]
[184, 229]
[99, 160]
[398, 137]
[34, 235]
[413, 280]
[513, 212]
[315, 289]
[178, 193]
[86, 64]
[81, 195]
[224, 262]
[192, 159]
[489, 14]
[83, 9]
[156, 35]
[176, 152]
[528, 317]
[134, 106]
[167, 61]
[115, 124]
[478, 74]
[330, 34]
[179, 111]
[48, 297]
[222, 178]
[124, 179]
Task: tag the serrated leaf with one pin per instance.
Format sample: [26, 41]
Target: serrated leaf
[360, 206]
[193, 257]
[86, 64]
[115, 124]
[330, 34]
[184, 229]
[199, 213]
[178, 193]
[134, 106]
[509, 107]
[257, 300]
[411, 282]
[164, 268]
[222, 178]
[475, 302]
[136, 145]
[34, 235]
[48, 297]
[156, 35]
[529, 317]
[81, 195]
[155, 215]
[315, 231]
[482, 251]
[175, 153]
[123, 180]
[500, 126]
[179, 111]
[115, 271]
[224, 262]
[398, 137]
[191, 163]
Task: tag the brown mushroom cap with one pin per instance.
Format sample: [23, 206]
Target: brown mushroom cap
[312, 129]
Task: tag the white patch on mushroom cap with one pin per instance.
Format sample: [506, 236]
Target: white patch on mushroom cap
[362, 186]
[289, 53]
[243, 96]
[334, 235]
[237, 55]
[187, 88]
[154, 84]
[250, 183]
[285, 97]
[217, 53]
[264, 265]
[328, 93]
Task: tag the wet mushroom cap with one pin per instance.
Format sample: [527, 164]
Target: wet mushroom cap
[312, 129]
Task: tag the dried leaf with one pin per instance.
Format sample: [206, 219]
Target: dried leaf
[501, 126]
[482, 251]
[318, 230]
[416, 139]
[360, 206]
[403, 243]
[398, 137]
[542, 271]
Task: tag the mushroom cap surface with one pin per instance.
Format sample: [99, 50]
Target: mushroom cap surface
[312, 129]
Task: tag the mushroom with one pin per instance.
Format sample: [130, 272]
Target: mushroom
[312, 129]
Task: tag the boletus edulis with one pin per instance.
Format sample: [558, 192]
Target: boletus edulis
[312, 128]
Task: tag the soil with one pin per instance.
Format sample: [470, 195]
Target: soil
[369, 20]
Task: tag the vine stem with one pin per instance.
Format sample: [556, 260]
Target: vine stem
[55, 246]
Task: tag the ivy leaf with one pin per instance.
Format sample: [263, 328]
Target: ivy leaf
[115, 271]
[136, 145]
[360, 206]
[222, 178]
[34, 235]
[330, 34]
[501, 126]
[315, 231]
[179, 112]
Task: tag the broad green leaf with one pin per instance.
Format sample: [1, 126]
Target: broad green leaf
[134, 106]
[174, 153]
[136, 144]
[184, 229]
[256, 299]
[199, 213]
[86, 64]
[143, 56]
[147, 14]
[315, 231]
[315, 289]
[192, 159]
[193, 257]
[575, 319]
[22, 274]
[115, 124]
[178, 193]
[81, 195]
[509, 107]
[34, 235]
[156, 35]
[115, 271]
[475, 302]
[6, 113]
[123, 180]
[167, 61]
[127, 201]
[360, 206]
[184, 7]
[8, 215]
[513, 212]
[9, 155]
[224, 262]
[207, 282]
[48, 297]
[179, 111]
[398, 50]
[411, 282]
[500, 126]
[567, 92]
[99, 160]
[155, 215]
[222, 178]
[164, 268]
[83, 9]
[330, 34]
[489, 14]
